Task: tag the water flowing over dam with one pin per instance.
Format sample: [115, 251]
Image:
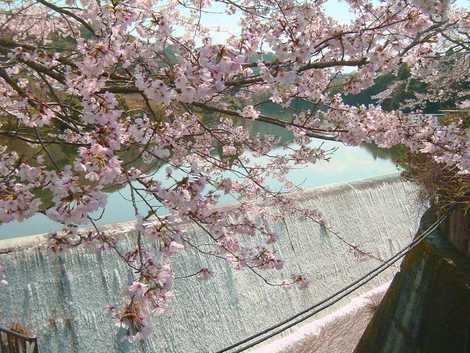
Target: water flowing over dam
[61, 298]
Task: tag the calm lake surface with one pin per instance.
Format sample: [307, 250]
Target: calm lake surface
[347, 164]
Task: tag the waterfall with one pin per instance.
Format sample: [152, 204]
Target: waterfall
[61, 298]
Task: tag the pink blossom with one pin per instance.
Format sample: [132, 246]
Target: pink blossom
[465, 104]
[229, 150]
[137, 289]
[250, 112]
[205, 274]
[300, 281]
[172, 248]
[114, 107]
[226, 185]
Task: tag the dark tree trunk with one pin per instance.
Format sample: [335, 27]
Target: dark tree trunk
[427, 307]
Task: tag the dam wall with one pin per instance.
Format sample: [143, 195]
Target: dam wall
[61, 298]
[427, 306]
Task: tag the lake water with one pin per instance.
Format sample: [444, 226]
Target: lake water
[347, 164]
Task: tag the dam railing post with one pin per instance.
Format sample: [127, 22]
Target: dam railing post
[15, 342]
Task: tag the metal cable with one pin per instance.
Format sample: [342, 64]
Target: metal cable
[339, 294]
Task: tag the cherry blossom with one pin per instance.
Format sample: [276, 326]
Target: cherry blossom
[205, 274]
[250, 112]
[103, 94]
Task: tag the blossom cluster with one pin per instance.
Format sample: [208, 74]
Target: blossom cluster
[99, 95]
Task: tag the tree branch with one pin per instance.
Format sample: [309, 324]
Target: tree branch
[68, 13]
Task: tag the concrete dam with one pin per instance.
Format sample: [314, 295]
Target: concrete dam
[61, 298]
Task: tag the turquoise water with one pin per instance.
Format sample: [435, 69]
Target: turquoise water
[347, 164]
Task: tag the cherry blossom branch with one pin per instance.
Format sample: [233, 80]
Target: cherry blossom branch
[65, 12]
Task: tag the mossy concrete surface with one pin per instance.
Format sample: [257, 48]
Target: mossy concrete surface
[427, 307]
